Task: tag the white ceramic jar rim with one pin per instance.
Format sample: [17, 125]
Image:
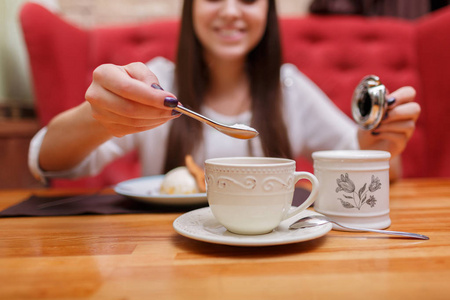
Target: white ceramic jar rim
[351, 155]
[356, 160]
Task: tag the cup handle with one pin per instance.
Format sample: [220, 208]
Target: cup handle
[312, 196]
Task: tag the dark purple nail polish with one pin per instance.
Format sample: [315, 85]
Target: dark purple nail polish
[375, 133]
[390, 101]
[170, 102]
[157, 86]
[386, 115]
[175, 113]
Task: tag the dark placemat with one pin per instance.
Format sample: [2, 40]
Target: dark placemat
[98, 204]
[300, 195]
[86, 205]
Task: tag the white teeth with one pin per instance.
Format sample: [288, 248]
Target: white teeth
[229, 32]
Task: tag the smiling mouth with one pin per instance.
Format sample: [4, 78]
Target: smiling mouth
[230, 33]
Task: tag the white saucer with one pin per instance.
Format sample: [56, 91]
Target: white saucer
[146, 189]
[201, 225]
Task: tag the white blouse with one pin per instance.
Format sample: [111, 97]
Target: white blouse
[313, 123]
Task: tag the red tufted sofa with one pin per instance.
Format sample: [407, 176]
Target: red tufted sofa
[334, 51]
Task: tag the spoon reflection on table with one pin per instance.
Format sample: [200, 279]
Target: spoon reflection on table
[317, 220]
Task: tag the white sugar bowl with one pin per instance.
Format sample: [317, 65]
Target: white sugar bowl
[353, 187]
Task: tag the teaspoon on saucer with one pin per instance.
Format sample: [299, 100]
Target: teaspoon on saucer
[238, 131]
[317, 220]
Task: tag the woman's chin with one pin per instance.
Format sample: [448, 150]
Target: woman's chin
[230, 55]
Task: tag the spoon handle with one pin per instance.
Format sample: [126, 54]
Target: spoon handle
[233, 131]
[401, 233]
[195, 115]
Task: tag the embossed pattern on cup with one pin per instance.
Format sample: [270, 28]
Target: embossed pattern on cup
[251, 195]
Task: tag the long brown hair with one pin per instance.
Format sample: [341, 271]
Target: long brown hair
[192, 79]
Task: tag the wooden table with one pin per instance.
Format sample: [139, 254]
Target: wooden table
[142, 257]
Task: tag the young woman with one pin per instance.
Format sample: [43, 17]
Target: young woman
[228, 68]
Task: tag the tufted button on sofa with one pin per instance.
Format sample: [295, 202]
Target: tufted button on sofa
[334, 51]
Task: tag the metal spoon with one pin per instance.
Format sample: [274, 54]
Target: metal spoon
[317, 220]
[238, 131]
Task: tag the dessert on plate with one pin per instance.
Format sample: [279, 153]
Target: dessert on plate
[184, 180]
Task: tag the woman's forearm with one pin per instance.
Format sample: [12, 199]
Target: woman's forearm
[71, 137]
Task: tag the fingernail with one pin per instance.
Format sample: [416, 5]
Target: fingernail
[386, 115]
[170, 102]
[390, 101]
[375, 133]
[157, 86]
[175, 113]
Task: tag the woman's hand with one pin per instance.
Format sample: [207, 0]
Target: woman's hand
[397, 127]
[128, 99]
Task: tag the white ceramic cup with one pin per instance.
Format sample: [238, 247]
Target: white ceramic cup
[252, 195]
[354, 187]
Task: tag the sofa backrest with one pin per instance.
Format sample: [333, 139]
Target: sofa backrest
[334, 51]
[433, 52]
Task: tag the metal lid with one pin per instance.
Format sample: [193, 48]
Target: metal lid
[369, 102]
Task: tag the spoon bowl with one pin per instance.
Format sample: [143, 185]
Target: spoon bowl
[238, 131]
[317, 220]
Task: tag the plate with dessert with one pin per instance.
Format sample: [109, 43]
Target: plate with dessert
[184, 185]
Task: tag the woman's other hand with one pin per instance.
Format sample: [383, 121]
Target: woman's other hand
[127, 99]
[397, 126]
